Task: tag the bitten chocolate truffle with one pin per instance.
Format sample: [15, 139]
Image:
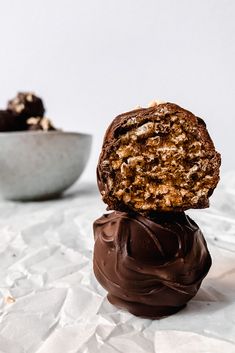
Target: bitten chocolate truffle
[10, 122]
[26, 105]
[159, 158]
[38, 123]
[152, 268]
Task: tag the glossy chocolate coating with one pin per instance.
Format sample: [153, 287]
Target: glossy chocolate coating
[152, 268]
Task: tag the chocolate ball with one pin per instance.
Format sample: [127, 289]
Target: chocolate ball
[151, 268]
[10, 122]
[157, 159]
[26, 105]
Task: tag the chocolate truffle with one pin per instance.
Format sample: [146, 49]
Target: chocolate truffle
[38, 123]
[152, 268]
[10, 122]
[26, 105]
[159, 158]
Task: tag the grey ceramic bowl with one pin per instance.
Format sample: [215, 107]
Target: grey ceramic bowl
[39, 165]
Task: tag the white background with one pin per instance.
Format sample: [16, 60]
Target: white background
[91, 60]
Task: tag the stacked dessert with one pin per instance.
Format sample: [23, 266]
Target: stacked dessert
[155, 163]
[25, 112]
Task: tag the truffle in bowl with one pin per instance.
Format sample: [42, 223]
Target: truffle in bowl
[38, 165]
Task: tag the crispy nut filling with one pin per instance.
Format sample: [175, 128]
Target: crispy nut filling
[161, 164]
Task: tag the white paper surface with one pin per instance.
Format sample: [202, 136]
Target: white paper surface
[50, 301]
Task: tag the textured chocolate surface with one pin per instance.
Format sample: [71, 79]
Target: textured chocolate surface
[26, 105]
[157, 159]
[152, 268]
[10, 122]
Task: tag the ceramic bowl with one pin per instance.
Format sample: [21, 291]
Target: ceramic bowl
[41, 165]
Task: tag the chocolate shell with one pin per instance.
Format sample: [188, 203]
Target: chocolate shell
[157, 159]
[151, 268]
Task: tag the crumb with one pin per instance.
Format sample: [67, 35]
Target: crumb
[9, 300]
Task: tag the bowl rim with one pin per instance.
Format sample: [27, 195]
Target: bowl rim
[44, 133]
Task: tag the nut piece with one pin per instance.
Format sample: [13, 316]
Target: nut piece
[153, 103]
[9, 300]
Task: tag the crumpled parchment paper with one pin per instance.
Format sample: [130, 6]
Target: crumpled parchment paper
[50, 301]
